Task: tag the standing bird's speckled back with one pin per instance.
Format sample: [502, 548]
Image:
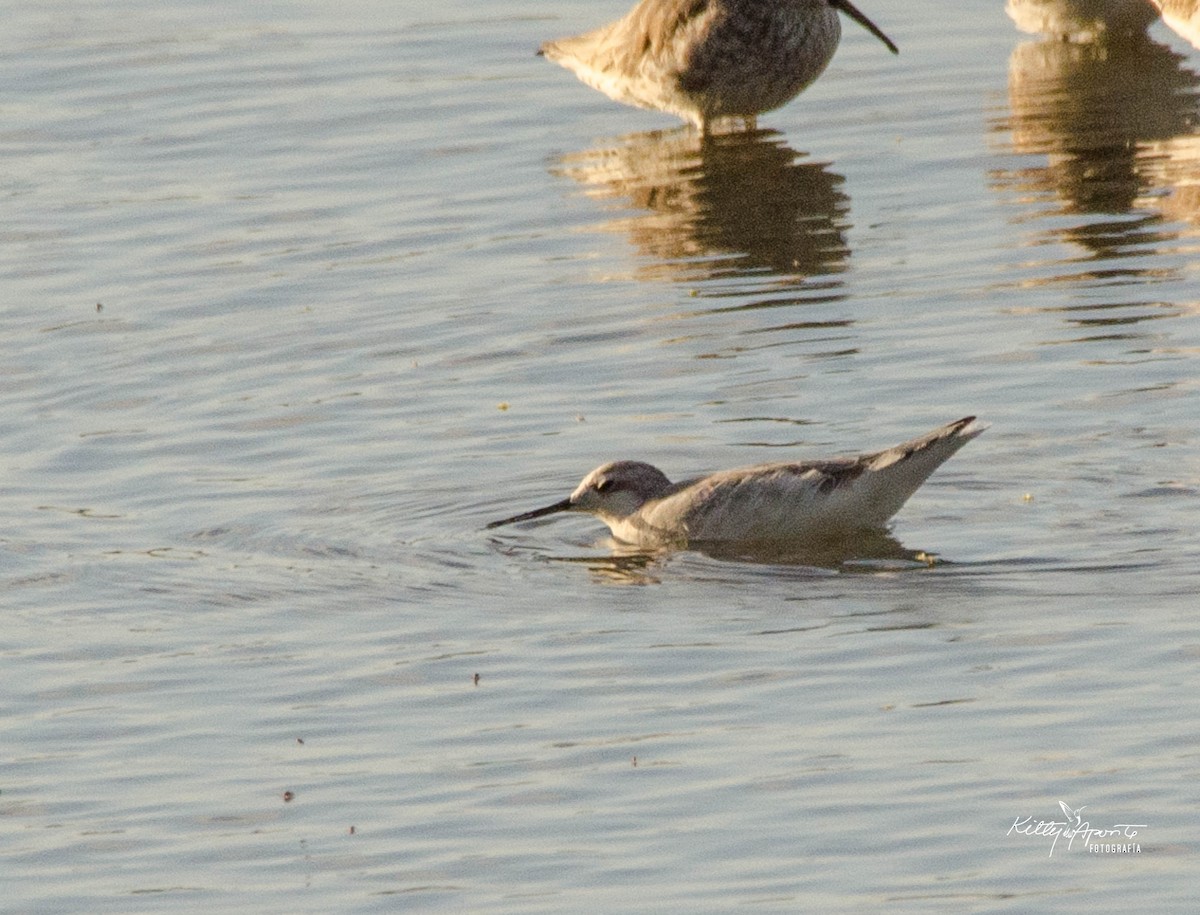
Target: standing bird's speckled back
[708, 60]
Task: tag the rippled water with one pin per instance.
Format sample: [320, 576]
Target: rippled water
[297, 298]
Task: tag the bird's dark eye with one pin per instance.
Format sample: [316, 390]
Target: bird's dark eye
[604, 486]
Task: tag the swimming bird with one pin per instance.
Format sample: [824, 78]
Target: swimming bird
[705, 60]
[766, 503]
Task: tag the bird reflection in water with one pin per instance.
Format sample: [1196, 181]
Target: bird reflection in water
[732, 205]
[1116, 120]
[866, 552]
[1108, 129]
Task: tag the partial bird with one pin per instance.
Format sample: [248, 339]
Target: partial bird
[710, 60]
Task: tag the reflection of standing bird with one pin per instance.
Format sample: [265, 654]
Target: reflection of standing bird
[708, 59]
[739, 204]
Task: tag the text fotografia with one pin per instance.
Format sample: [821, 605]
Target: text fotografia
[1115, 848]
[1116, 840]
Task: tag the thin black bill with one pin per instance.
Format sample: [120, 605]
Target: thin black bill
[858, 16]
[562, 506]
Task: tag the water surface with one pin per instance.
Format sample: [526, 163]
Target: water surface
[297, 298]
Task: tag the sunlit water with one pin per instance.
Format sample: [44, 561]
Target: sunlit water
[297, 298]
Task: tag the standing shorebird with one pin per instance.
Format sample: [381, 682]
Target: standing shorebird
[769, 503]
[1083, 21]
[704, 60]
